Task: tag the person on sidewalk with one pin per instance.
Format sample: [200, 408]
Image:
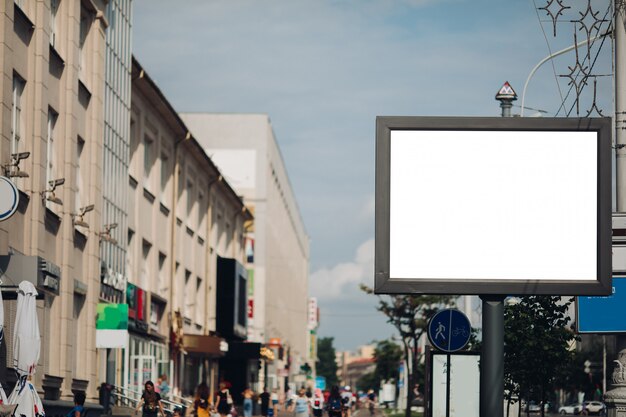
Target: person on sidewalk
[334, 406]
[201, 406]
[224, 400]
[301, 405]
[265, 402]
[317, 403]
[247, 402]
[151, 401]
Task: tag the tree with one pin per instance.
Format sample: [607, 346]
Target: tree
[326, 365]
[536, 346]
[409, 314]
[387, 356]
[367, 382]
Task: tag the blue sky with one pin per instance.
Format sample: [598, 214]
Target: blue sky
[323, 70]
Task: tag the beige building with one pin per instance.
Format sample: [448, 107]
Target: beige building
[182, 216]
[52, 57]
[243, 146]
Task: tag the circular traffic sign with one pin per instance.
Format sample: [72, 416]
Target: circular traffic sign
[9, 198]
[449, 330]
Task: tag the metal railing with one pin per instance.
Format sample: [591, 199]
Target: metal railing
[127, 397]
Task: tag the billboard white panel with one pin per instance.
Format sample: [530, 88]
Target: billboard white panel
[472, 204]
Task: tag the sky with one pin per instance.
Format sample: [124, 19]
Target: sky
[324, 69]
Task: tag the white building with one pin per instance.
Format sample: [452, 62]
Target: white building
[244, 148]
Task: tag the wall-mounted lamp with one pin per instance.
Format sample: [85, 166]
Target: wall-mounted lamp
[78, 218]
[13, 168]
[106, 234]
[48, 194]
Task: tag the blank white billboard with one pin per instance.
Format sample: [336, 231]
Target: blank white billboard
[493, 205]
[472, 204]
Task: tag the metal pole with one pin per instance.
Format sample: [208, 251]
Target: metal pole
[448, 386]
[492, 357]
[620, 104]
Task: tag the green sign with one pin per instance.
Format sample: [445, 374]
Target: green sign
[112, 317]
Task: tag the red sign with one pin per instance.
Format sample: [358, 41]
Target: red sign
[250, 308]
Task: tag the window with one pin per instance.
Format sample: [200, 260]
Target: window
[165, 177]
[85, 24]
[199, 298]
[163, 284]
[54, 8]
[145, 266]
[51, 168]
[190, 300]
[80, 146]
[147, 160]
[190, 201]
[202, 209]
[16, 114]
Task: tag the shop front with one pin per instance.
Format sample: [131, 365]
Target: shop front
[148, 353]
[201, 361]
[240, 368]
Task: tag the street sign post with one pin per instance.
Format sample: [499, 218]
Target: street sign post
[9, 198]
[449, 330]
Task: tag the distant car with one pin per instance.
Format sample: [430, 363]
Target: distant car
[593, 407]
[533, 407]
[571, 409]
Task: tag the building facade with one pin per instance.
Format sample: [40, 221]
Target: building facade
[115, 162]
[245, 149]
[51, 134]
[183, 218]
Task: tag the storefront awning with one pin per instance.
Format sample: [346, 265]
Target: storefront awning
[211, 346]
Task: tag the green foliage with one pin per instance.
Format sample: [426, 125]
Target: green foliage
[326, 365]
[409, 314]
[367, 382]
[536, 346]
[388, 356]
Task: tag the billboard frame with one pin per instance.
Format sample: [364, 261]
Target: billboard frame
[385, 284]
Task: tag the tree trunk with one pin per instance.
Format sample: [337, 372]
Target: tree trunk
[409, 393]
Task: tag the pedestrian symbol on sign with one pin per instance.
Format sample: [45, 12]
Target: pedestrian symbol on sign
[440, 329]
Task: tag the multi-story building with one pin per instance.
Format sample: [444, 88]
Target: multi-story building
[115, 161]
[245, 149]
[184, 218]
[51, 134]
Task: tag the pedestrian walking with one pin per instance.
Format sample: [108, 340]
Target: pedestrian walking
[301, 405]
[164, 387]
[264, 398]
[150, 401]
[334, 406]
[317, 403]
[247, 402]
[224, 400]
[201, 406]
[79, 402]
[274, 398]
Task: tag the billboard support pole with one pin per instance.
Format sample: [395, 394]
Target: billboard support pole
[492, 357]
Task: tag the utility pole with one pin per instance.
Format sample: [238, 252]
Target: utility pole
[615, 399]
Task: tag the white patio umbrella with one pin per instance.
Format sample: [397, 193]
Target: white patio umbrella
[26, 347]
[3, 395]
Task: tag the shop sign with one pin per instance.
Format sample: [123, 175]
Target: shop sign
[136, 300]
[113, 279]
[274, 342]
[9, 198]
[112, 326]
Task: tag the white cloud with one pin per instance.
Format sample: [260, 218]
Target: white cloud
[343, 279]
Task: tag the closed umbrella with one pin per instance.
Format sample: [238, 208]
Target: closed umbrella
[3, 395]
[26, 346]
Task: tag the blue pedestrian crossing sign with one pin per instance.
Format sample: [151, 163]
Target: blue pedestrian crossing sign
[449, 330]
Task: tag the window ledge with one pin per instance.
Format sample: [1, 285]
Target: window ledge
[164, 209]
[19, 13]
[56, 55]
[148, 195]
